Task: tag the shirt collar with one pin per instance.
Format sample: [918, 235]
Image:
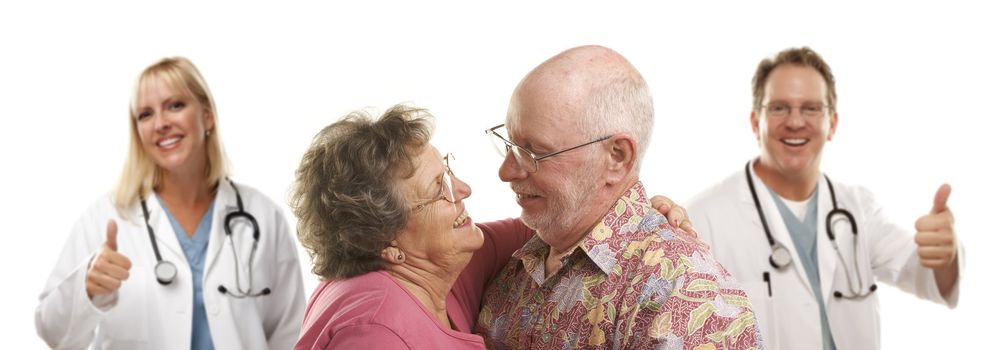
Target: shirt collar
[632, 212]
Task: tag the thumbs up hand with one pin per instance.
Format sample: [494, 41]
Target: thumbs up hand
[937, 244]
[109, 268]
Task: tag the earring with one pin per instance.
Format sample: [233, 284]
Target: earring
[208, 132]
[400, 256]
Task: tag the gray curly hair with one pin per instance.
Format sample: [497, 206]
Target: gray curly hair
[347, 194]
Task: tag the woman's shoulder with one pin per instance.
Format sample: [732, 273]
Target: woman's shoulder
[362, 299]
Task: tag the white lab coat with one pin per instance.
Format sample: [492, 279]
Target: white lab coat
[143, 314]
[725, 217]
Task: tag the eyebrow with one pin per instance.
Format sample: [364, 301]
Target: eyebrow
[533, 147]
[162, 102]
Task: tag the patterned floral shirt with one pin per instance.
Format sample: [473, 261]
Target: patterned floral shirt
[632, 283]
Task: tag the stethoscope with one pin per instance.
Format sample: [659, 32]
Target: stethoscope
[781, 258]
[165, 271]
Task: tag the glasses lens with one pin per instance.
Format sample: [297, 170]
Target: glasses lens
[812, 110]
[499, 144]
[503, 147]
[524, 159]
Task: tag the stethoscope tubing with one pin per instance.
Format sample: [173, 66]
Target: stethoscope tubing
[165, 271]
[780, 256]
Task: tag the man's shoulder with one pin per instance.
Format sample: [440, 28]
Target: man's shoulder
[682, 254]
[677, 244]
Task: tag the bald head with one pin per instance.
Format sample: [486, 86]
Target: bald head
[586, 67]
[588, 114]
[589, 90]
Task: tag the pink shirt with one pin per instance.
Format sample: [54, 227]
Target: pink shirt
[374, 311]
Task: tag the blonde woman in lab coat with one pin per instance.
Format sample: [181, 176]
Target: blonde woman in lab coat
[178, 256]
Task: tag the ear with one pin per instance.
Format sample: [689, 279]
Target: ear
[753, 119]
[832, 125]
[621, 152]
[392, 254]
[209, 120]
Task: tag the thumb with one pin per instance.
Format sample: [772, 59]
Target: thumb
[112, 241]
[939, 203]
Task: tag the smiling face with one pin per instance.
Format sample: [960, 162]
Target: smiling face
[791, 145]
[439, 231]
[555, 199]
[172, 126]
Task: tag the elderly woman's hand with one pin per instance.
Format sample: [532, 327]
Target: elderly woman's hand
[677, 217]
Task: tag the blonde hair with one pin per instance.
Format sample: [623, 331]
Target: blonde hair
[140, 175]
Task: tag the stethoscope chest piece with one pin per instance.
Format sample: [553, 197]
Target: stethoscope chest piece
[165, 272]
[780, 257]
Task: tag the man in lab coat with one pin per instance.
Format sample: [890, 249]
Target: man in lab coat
[786, 231]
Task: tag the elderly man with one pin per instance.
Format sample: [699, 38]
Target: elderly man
[604, 269]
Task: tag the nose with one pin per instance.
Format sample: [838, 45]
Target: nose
[462, 189]
[795, 120]
[510, 170]
[160, 124]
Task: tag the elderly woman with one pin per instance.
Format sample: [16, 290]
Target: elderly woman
[382, 216]
[175, 258]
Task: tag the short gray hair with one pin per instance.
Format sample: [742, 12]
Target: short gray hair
[347, 194]
[623, 105]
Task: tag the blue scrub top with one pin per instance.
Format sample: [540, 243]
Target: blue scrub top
[194, 251]
[805, 240]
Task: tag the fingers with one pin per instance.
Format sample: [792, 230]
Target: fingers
[687, 227]
[112, 239]
[932, 238]
[112, 268]
[939, 202]
[935, 253]
[677, 216]
[935, 263]
[96, 289]
[662, 204]
[117, 259]
[105, 276]
[104, 281]
[934, 222]
[109, 268]
[936, 257]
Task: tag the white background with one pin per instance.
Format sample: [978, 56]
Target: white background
[918, 86]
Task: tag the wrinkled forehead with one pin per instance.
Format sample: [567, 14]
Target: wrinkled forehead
[542, 115]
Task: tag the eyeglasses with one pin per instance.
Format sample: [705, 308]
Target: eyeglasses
[525, 158]
[445, 192]
[783, 110]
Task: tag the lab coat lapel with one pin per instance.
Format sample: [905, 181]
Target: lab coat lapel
[776, 223]
[170, 248]
[827, 256]
[225, 203]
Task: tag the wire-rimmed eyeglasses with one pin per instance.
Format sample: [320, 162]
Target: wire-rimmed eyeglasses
[446, 191]
[525, 158]
[783, 110]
